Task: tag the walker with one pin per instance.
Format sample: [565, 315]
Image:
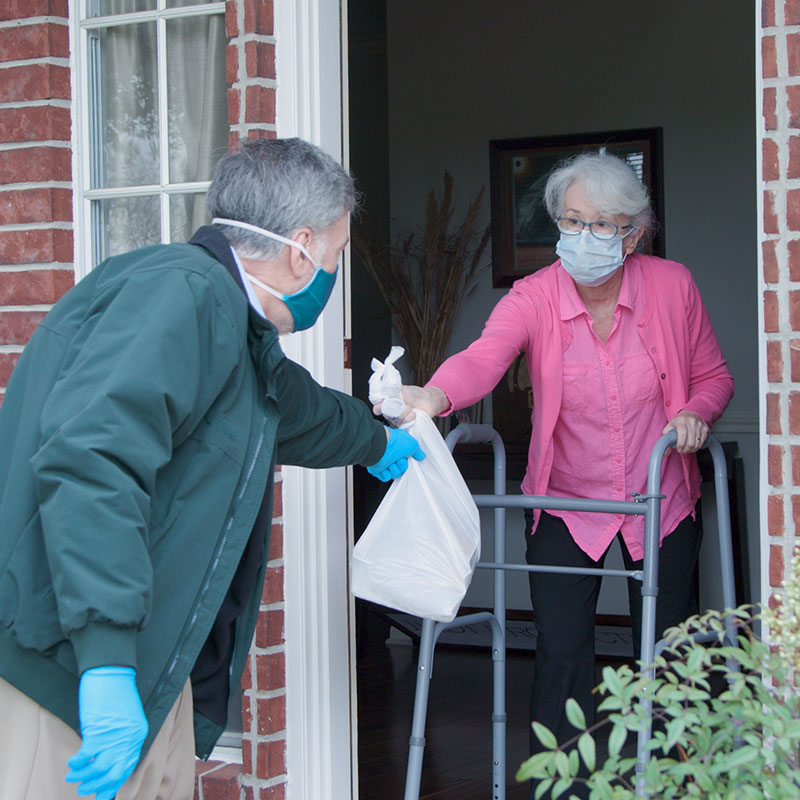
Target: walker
[648, 504]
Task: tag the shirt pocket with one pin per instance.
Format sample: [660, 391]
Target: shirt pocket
[581, 387]
[639, 381]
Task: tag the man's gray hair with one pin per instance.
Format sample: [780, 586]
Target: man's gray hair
[611, 185]
[279, 185]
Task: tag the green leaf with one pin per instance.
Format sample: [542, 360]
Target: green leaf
[536, 766]
[561, 786]
[575, 714]
[617, 739]
[562, 764]
[586, 748]
[542, 788]
[545, 736]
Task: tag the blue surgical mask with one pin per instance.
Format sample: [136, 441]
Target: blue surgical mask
[589, 260]
[305, 305]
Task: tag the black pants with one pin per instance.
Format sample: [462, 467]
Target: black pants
[564, 609]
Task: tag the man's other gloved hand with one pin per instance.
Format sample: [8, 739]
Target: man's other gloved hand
[113, 729]
[399, 448]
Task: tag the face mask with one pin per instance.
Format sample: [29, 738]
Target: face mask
[306, 304]
[589, 260]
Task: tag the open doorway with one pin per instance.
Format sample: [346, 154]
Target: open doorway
[430, 86]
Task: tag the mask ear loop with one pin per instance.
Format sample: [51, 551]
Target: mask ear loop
[269, 234]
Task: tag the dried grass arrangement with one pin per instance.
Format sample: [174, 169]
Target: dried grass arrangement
[426, 276]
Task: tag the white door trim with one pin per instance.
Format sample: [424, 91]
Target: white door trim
[319, 694]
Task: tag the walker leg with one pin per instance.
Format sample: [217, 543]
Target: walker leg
[416, 744]
[499, 716]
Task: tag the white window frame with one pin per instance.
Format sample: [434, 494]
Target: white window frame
[87, 233]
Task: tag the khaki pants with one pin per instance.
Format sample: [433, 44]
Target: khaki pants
[35, 746]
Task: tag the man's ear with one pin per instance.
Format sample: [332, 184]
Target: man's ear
[298, 262]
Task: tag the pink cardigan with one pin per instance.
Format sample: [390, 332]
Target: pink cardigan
[674, 327]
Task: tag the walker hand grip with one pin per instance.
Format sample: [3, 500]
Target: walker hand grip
[467, 432]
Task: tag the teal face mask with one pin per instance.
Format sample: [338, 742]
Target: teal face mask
[305, 305]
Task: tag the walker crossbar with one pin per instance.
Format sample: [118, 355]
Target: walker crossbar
[647, 505]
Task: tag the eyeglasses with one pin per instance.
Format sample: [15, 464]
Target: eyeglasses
[600, 229]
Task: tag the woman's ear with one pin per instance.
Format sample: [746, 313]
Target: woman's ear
[631, 241]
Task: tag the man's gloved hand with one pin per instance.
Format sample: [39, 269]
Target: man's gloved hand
[113, 729]
[399, 448]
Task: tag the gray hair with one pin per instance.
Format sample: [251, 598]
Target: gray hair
[279, 185]
[611, 185]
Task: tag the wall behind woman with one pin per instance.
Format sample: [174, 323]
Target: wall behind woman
[462, 73]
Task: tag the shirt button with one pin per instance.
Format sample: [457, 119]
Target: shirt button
[618, 459]
[663, 376]
[617, 429]
[654, 350]
[668, 403]
[613, 396]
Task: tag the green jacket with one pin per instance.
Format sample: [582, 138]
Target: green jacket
[138, 436]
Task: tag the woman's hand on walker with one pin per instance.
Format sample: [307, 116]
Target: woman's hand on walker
[692, 431]
[430, 399]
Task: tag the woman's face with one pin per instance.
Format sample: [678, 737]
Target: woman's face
[577, 204]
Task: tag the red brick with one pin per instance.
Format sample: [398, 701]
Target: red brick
[770, 217]
[247, 755]
[775, 565]
[247, 714]
[273, 792]
[234, 107]
[775, 522]
[271, 759]
[259, 105]
[269, 628]
[277, 499]
[231, 63]
[261, 133]
[34, 41]
[23, 9]
[34, 286]
[768, 14]
[793, 105]
[769, 60]
[791, 12]
[16, 327]
[774, 362]
[775, 464]
[222, 783]
[31, 164]
[276, 542]
[793, 209]
[258, 17]
[794, 356]
[793, 53]
[35, 247]
[7, 363]
[273, 586]
[794, 413]
[271, 671]
[768, 108]
[24, 206]
[34, 82]
[769, 160]
[271, 715]
[34, 124]
[770, 260]
[794, 310]
[260, 59]
[231, 19]
[248, 793]
[774, 414]
[795, 453]
[771, 319]
[796, 513]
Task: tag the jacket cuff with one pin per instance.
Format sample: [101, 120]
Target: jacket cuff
[101, 644]
[377, 447]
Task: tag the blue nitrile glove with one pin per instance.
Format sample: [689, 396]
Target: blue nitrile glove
[113, 729]
[394, 463]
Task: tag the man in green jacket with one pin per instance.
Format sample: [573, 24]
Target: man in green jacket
[138, 438]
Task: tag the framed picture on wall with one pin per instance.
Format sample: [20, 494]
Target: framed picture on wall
[523, 235]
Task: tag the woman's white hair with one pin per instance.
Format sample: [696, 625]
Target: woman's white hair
[611, 185]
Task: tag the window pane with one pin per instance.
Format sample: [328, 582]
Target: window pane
[128, 223]
[125, 131]
[107, 8]
[187, 212]
[197, 97]
[182, 3]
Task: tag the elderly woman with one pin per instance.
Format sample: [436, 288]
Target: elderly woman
[620, 350]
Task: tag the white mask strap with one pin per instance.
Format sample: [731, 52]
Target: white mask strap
[264, 286]
[269, 234]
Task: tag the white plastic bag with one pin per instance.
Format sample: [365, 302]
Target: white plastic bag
[386, 385]
[419, 550]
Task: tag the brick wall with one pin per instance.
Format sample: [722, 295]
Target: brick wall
[780, 143]
[36, 248]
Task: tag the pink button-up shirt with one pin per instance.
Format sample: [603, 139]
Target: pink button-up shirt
[670, 324]
[609, 406]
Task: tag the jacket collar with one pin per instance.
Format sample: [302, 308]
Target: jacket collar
[262, 336]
